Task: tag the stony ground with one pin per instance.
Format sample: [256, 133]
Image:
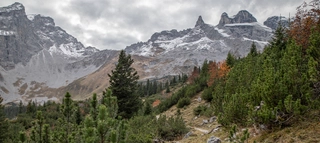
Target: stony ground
[199, 132]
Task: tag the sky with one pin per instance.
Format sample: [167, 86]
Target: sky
[115, 24]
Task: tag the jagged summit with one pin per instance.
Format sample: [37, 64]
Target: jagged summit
[224, 19]
[242, 16]
[14, 7]
[200, 22]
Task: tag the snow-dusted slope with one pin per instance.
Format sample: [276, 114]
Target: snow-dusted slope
[36, 54]
[176, 52]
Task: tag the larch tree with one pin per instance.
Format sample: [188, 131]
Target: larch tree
[123, 84]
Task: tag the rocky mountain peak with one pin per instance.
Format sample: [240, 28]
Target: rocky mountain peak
[274, 21]
[224, 19]
[14, 7]
[242, 16]
[200, 22]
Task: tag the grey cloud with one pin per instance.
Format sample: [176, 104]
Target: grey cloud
[115, 24]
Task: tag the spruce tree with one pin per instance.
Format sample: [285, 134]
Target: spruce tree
[123, 84]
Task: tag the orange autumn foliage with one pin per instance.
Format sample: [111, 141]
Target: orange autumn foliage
[306, 20]
[156, 103]
[217, 70]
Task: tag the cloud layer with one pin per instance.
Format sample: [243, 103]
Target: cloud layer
[115, 24]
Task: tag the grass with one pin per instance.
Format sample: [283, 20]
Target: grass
[303, 131]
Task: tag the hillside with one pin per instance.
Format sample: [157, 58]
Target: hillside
[304, 131]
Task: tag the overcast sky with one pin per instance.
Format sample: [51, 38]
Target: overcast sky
[115, 24]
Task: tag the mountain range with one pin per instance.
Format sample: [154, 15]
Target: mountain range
[41, 61]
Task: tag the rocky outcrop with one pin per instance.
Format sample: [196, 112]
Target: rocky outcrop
[18, 42]
[243, 16]
[213, 139]
[274, 21]
[199, 22]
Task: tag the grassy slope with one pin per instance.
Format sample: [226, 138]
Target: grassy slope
[303, 131]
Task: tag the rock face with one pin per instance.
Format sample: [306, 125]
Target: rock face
[175, 52]
[18, 41]
[274, 21]
[36, 54]
[243, 16]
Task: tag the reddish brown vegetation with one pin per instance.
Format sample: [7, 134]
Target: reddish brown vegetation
[217, 70]
[156, 103]
[306, 20]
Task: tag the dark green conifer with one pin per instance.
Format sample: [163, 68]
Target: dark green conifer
[123, 84]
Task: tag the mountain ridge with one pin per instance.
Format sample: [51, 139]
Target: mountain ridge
[55, 62]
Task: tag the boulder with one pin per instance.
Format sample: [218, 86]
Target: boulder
[213, 139]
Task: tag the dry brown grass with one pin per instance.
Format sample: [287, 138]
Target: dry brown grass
[195, 123]
[307, 131]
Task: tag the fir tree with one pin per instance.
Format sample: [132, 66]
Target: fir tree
[123, 84]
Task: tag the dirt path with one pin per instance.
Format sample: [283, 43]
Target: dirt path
[201, 130]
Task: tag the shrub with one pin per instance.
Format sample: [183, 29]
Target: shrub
[207, 94]
[197, 111]
[203, 110]
[183, 102]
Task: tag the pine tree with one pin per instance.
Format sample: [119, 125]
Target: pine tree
[94, 107]
[148, 88]
[90, 132]
[123, 84]
[147, 109]
[20, 107]
[22, 137]
[78, 116]
[167, 87]
[67, 110]
[3, 124]
[104, 123]
[253, 50]
[230, 60]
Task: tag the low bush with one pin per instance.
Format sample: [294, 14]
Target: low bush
[183, 102]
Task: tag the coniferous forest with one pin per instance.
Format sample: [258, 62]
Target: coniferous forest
[273, 88]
